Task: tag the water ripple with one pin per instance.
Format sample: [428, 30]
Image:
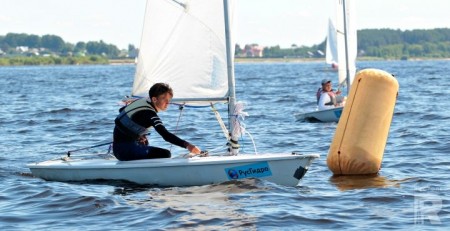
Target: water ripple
[70, 111]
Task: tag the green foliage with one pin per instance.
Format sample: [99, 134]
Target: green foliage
[397, 44]
[80, 47]
[381, 43]
[52, 60]
[292, 52]
[373, 43]
[101, 48]
[52, 44]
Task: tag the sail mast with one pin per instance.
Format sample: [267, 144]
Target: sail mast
[230, 67]
[347, 65]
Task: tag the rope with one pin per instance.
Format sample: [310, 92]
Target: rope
[107, 155]
[253, 141]
[219, 119]
[180, 107]
[98, 145]
[205, 153]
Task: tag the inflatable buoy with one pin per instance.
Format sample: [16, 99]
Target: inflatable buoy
[361, 134]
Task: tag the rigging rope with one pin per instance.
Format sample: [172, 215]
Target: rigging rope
[180, 107]
[253, 141]
[219, 119]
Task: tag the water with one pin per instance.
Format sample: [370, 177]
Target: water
[46, 111]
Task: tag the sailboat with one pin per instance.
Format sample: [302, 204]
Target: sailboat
[187, 44]
[331, 54]
[342, 49]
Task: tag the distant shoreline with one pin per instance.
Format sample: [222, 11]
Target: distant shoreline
[121, 61]
[27, 61]
[282, 60]
[300, 60]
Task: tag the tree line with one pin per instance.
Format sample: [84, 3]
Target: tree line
[376, 43]
[379, 43]
[12, 44]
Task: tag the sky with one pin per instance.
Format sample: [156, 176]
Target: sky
[265, 22]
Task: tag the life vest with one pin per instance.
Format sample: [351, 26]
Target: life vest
[330, 93]
[126, 125]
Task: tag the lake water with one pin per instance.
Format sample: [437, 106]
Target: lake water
[48, 110]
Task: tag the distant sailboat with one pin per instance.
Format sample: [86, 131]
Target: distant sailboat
[347, 42]
[331, 54]
[341, 50]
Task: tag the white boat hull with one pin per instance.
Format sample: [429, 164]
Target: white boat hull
[283, 169]
[328, 115]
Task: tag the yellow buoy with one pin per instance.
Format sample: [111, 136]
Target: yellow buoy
[361, 134]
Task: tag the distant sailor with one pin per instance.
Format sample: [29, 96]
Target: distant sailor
[134, 121]
[327, 98]
[334, 66]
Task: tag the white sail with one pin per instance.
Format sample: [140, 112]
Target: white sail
[183, 44]
[346, 30]
[331, 55]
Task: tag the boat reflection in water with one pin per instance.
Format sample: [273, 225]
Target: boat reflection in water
[206, 204]
[362, 182]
